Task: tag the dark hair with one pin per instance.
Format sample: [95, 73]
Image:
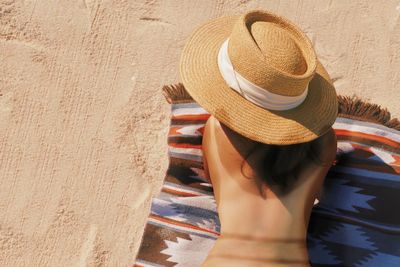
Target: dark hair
[280, 163]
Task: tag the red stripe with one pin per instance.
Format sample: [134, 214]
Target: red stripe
[201, 130]
[372, 137]
[184, 145]
[176, 192]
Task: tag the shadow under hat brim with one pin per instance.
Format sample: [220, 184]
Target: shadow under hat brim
[202, 79]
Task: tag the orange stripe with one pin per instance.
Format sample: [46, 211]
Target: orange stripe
[191, 117]
[184, 145]
[174, 131]
[186, 194]
[170, 221]
[372, 137]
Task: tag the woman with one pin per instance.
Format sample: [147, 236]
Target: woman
[263, 221]
[268, 143]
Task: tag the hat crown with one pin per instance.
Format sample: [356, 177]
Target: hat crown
[272, 53]
[278, 47]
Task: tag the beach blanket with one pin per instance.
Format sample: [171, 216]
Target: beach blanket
[355, 223]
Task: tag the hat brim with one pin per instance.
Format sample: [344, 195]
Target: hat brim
[202, 79]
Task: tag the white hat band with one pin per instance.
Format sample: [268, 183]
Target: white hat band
[251, 91]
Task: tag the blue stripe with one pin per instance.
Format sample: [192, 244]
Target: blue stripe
[185, 105]
[185, 156]
[360, 180]
[379, 259]
[392, 229]
[366, 173]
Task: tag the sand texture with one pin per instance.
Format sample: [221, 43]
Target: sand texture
[83, 123]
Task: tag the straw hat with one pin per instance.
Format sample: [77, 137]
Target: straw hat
[258, 74]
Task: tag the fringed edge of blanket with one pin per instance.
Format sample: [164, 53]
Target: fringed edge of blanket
[351, 107]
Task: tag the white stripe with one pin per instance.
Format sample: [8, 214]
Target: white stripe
[383, 155]
[345, 147]
[192, 129]
[188, 111]
[147, 264]
[374, 125]
[182, 228]
[252, 92]
[190, 151]
[368, 130]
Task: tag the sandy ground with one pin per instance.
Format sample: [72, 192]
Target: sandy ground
[83, 123]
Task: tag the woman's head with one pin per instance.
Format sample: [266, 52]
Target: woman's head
[278, 165]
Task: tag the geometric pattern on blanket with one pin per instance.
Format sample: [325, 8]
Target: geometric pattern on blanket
[355, 223]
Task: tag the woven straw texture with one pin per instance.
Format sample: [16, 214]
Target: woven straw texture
[201, 77]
